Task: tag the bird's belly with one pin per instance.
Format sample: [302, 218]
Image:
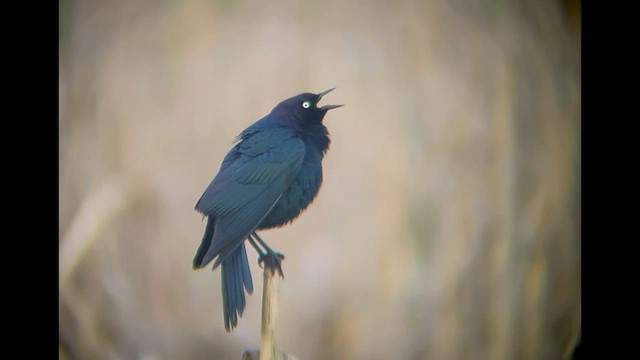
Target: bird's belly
[296, 198]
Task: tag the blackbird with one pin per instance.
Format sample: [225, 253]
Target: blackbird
[271, 174]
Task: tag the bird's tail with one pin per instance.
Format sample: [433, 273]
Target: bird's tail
[198, 260]
[236, 276]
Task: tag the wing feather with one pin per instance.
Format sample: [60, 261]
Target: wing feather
[250, 182]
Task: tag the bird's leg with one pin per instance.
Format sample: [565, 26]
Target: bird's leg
[255, 246]
[269, 251]
[271, 259]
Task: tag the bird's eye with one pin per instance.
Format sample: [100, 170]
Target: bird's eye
[306, 104]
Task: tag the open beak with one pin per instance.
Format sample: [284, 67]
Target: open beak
[327, 107]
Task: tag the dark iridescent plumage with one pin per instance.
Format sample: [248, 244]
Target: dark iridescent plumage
[266, 180]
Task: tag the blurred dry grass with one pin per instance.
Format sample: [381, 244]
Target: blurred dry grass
[448, 226]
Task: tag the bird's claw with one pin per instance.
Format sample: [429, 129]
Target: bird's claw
[272, 261]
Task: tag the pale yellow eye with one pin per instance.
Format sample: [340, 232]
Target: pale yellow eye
[306, 104]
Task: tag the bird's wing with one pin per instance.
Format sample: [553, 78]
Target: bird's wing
[251, 180]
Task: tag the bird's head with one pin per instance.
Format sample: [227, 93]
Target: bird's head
[304, 108]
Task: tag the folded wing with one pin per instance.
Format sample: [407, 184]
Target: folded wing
[251, 180]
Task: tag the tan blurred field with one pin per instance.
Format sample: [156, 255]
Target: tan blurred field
[448, 224]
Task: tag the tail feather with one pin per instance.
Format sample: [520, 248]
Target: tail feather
[236, 274]
[236, 277]
[205, 243]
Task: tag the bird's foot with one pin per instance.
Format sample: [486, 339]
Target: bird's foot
[273, 261]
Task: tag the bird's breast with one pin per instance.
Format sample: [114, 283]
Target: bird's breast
[298, 195]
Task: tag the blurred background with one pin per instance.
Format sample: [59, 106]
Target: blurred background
[448, 224]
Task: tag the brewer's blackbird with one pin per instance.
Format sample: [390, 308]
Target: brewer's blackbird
[267, 179]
